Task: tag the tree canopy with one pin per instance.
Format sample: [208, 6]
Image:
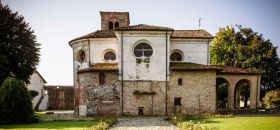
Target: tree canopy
[19, 51]
[244, 48]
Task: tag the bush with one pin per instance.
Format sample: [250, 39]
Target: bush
[104, 124]
[272, 99]
[33, 93]
[15, 103]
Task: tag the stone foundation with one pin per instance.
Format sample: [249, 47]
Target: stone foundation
[197, 94]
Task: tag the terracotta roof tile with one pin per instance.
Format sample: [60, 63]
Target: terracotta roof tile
[235, 70]
[144, 27]
[98, 34]
[191, 66]
[101, 67]
[191, 34]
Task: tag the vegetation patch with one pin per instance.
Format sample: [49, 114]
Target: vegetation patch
[94, 124]
[224, 122]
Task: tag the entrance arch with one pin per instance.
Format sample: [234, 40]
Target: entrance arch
[222, 93]
[242, 94]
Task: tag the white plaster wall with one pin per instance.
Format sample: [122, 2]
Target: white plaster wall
[98, 46]
[44, 103]
[36, 83]
[77, 65]
[195, 51]
[157, 66]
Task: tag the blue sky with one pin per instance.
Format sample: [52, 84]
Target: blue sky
[56, 22]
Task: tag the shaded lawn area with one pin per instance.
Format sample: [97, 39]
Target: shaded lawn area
[242, 123]
[62, 125]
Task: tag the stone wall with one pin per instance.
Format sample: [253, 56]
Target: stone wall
[150, 96]
[197, 93]
[100, 99]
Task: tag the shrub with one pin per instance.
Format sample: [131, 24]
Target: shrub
[103, 124]
[33, 93]
[272, 99]
[15, 103]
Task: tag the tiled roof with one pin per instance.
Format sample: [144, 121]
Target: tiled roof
[235, 70]
[101, 67]
[191, 34]
[191, 66]
[144, 27]
[98, 34]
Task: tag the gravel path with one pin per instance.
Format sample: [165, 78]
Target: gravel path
[143, 123]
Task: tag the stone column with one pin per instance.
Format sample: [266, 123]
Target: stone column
[231, 93]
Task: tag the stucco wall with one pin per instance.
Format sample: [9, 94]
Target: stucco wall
[36, 83]
[156, 70]
[98, 46]
[195, 51]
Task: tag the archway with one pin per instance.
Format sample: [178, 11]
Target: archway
[242, 94]
[221, 93]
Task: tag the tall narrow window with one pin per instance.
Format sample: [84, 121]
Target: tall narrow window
[111, 26]
[177, 102]
[117, 24]
[101, 78]
[180, 82]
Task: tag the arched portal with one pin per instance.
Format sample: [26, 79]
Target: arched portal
[242, 94]
[221, 93]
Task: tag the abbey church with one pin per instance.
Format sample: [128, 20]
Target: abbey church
[143, 69]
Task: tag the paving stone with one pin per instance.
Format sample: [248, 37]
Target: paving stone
[143, 123]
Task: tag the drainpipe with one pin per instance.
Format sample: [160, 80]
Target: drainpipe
[208, 44]
[88, 53]
[166, 72]
[122, 68]
[257, 96]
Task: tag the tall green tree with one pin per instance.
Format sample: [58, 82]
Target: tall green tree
[244, 48]
[19, 51]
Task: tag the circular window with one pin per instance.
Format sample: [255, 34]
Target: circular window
[143, 50]
[109, 56]
[82, 56]
[176, 56]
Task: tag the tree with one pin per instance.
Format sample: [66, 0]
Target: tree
[272, 99]
[33, 93]
[245, 48]
[15, 102]
[19, 51]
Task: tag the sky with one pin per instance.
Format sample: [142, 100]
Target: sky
[56, 22]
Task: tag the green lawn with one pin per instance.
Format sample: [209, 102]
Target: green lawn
[61, 125]
[242, 123]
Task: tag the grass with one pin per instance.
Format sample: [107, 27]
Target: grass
[100, 124]
[62, 125]
[238, 123]
[243, 123]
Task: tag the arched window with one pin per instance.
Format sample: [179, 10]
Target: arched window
[111, 26]
[143, 49]
[176, 56]
[109, 56]
[117, 24]
[81, 56]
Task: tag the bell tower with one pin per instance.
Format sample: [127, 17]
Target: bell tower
[112, 20]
